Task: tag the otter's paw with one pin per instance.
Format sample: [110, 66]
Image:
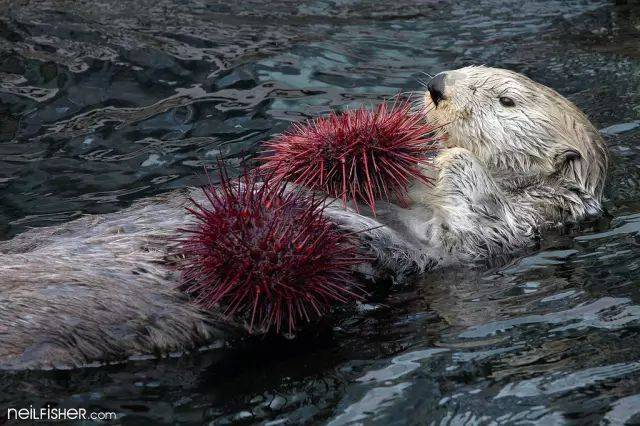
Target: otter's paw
[453, 156]
[463, 181]
[459, 167]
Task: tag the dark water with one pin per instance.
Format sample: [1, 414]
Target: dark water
[104, 102]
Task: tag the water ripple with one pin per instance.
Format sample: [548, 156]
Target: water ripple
[564, 382]
[607, 313]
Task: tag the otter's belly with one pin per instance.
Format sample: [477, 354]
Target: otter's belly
[402, 241]
[103, 288]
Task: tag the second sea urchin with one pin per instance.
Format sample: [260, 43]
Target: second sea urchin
[266, 255]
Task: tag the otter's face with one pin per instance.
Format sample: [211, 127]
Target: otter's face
[516, 125]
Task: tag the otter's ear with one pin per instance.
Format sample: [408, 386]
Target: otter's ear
[565, 157]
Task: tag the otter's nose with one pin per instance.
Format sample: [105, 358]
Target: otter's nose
[436, 88]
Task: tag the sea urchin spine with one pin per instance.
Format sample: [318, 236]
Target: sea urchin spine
[266, 255]
[361, 155]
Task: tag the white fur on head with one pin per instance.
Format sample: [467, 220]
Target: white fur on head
[542, 135]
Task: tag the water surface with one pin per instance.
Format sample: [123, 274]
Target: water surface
[105, 102]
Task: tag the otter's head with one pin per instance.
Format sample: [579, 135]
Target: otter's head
[516, 125]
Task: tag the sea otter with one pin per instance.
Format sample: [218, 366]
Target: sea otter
[519, 157]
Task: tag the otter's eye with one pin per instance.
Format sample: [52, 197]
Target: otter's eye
[508, 102]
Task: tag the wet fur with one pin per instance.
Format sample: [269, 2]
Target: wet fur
[506, 174]
[100, 288]
[103, 288]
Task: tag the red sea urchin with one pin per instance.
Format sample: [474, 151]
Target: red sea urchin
[266, 255]
[361, 155]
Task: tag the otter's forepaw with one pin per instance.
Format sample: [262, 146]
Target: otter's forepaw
[459, 168]
[463, 183]
[453, 157]
[455, 170]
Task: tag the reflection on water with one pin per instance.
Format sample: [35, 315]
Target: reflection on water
[104, 102]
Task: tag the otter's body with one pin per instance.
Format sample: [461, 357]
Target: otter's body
[100, 288]
[519, 157]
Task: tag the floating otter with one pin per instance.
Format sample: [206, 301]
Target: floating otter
[519, 157]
